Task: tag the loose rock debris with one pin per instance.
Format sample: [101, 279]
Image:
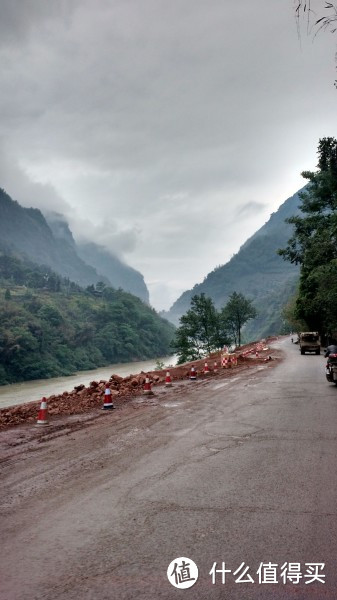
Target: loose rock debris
[124, 389]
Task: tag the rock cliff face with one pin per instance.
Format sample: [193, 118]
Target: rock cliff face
[49, 241]
[257, 271]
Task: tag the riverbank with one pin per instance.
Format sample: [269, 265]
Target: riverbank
[33, 390]
[85, 399]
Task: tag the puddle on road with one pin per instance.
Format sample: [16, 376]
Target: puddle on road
[149, 402]
[145, 401]
[221, 385]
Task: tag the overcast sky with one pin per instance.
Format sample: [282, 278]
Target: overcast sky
[167, 131]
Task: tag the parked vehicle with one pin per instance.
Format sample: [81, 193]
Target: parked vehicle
[331, 369]
[310, 342]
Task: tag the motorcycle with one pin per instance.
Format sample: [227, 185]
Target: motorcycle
[331, 369]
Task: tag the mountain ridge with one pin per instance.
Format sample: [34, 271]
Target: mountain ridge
[47, 239]
[256, 270]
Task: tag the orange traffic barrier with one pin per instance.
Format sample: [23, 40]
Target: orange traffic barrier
[193, 374]
[147, 386]
[108, 405]
[42, 418]
[168, 381]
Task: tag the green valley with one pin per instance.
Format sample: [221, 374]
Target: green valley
[50, 326]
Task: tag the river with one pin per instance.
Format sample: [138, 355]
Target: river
[18, 393]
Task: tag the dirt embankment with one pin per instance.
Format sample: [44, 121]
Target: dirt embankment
[85, 399]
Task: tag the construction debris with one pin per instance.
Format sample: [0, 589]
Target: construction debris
[123, 389]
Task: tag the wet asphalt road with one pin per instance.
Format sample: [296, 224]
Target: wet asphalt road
[236, 471]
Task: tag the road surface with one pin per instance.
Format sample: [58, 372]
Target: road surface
[241, 472]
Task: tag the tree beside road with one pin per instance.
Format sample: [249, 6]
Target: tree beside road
[204, 329]
[313, 244]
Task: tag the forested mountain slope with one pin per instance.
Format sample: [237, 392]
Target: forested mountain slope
[49, 241]
[50, 326]
[257, 271]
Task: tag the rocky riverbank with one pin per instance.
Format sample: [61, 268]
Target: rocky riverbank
[84, 399]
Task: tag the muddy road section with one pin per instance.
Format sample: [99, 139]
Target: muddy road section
[227, 469]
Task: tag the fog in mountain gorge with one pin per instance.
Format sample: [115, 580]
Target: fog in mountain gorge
[163, 133]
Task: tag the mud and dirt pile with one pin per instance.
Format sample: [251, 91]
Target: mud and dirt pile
[84, 399]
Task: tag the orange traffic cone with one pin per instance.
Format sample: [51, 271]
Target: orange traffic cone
[193, 374]
[42, 418]
[206, 369]
[107, 399]
[168, 382]
[147, 387]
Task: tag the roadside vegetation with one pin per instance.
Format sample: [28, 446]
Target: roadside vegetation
[314, 246]
[50, 326]
[204, 329]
